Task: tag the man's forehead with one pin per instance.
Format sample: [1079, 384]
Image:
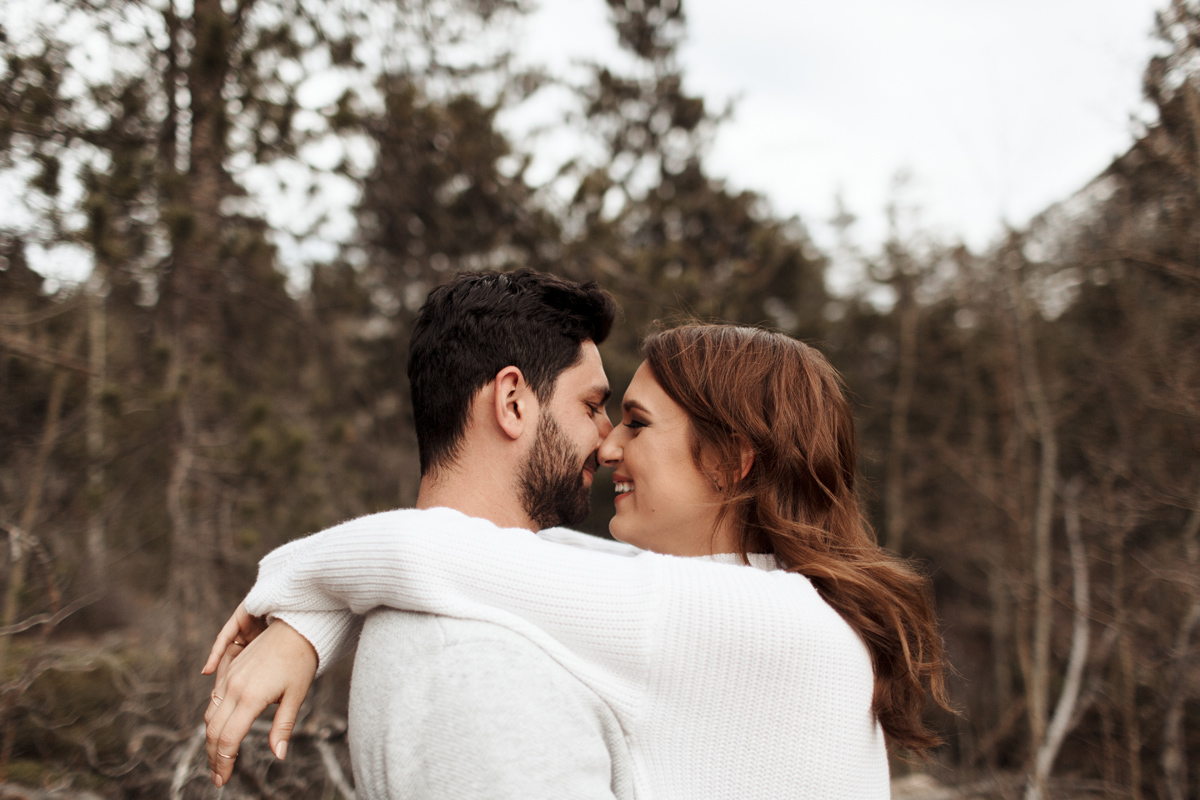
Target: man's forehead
[587, 374]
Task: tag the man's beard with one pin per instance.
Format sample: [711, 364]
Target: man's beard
[552, 488]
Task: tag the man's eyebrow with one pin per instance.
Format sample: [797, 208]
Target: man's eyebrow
[602, 391]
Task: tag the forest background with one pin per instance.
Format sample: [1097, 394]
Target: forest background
[1029, 415]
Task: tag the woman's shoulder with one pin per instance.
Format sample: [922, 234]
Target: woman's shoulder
[775, 605]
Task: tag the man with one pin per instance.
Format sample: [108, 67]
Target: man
[508, 399]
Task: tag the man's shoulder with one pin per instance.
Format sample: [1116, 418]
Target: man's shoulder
[453, 659]
[447, 665]
[445, 707]
[427, 634]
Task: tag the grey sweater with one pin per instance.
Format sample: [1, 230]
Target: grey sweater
[453, 709]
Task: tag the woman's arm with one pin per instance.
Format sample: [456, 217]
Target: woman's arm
[592, 611]
[332, 633]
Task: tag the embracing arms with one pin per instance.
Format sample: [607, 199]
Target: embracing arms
[594, 609]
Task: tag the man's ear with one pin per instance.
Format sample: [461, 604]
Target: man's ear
[513, 402]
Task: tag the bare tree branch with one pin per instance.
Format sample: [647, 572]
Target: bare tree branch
[49, 619]
[329, 759]
[183, 764]
[31, 350]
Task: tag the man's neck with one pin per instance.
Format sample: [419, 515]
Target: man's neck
[485, 499]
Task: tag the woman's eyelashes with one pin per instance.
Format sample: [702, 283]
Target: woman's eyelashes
[634, 424]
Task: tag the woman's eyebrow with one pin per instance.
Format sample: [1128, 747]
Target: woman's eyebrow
[630, 405]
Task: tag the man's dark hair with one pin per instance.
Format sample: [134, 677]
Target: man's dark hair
[481, 322]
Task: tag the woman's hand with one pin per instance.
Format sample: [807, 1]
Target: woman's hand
[278, 666]
[239, 631]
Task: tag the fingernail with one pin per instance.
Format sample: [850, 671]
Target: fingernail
[216, 779]
[281, 750]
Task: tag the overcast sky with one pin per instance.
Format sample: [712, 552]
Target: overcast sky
[997, 109]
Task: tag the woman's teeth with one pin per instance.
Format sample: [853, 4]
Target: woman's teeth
[623, 487]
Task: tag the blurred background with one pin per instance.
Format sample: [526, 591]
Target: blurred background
[218, 219]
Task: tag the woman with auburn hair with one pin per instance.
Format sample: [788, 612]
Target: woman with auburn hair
[756, 396]
[772, 660]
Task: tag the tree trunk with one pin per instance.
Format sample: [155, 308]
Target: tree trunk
[1002, 634]
[897, 520]
[1043, 419]
[1174, 755]
[97, 551]
[33, 501]
[20, 550]
[1062, 721]
[1126, 678]
[193, 292]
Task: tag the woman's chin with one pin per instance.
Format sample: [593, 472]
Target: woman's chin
[619, 531]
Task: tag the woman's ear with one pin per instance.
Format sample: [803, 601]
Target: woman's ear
[747, 451]
[512, 402]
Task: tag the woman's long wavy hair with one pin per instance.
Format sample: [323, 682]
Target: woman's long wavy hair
[748, 387]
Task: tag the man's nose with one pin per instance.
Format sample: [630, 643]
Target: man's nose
[610, 449]
[605, 425]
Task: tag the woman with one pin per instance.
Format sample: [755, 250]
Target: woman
[736, 446]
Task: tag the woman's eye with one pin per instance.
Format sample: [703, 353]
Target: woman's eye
[635, 424]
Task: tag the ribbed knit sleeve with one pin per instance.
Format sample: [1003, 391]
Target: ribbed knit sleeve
[592, 611]
[334, 633]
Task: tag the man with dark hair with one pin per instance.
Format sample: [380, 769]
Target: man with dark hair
[467, 333]
[472, 327]
[508, 399]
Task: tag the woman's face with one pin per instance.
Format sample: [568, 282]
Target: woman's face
[663, 503]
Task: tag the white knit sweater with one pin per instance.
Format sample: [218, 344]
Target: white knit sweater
[729, 682]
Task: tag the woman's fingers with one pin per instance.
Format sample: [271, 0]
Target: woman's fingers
[220, 684]
[284, 723]
[249, 625]
[224, 746]
[241, 629]
[220, 761]
[225, 638]
[230, 632]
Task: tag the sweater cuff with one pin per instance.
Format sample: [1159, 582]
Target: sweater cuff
[331, 633]
[270, 592]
